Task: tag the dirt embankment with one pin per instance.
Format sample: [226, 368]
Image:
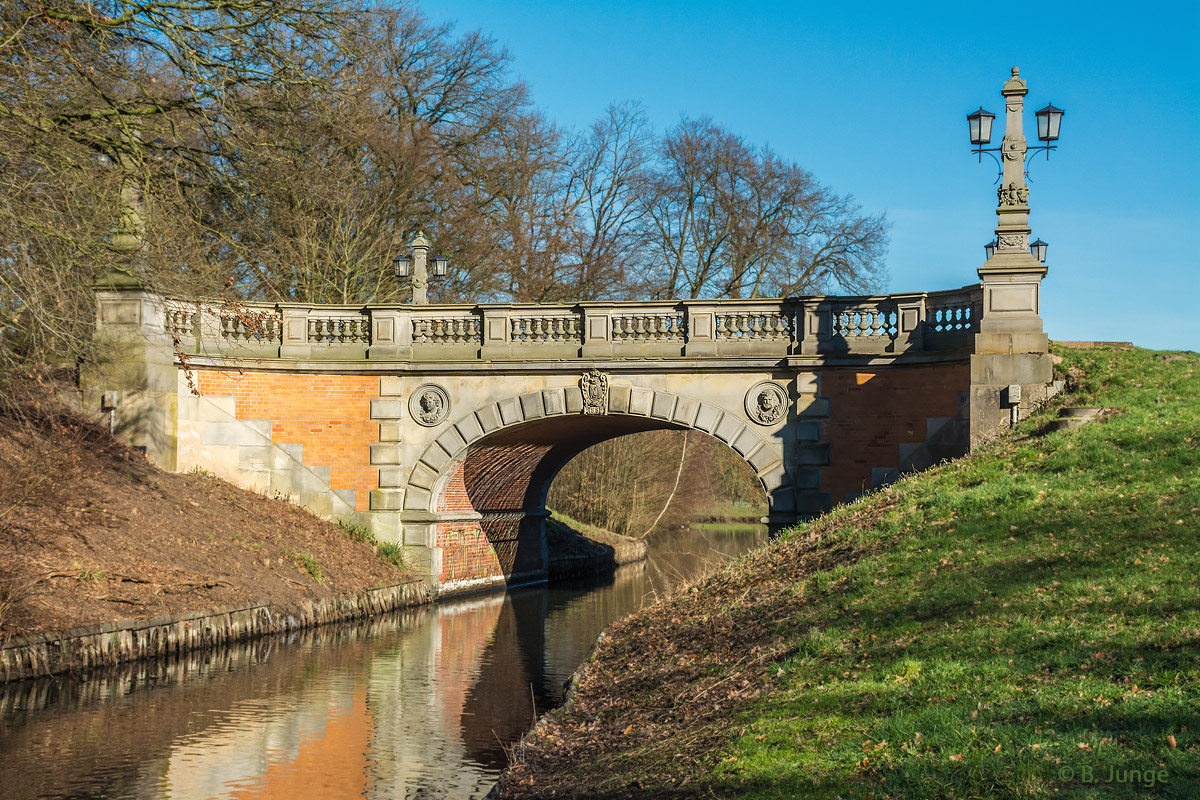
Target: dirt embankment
[90, 532]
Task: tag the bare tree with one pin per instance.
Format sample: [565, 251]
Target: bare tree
[730, 220]
[104, 104]
[609, 176]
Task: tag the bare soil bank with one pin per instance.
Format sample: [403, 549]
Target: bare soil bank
[90, 532]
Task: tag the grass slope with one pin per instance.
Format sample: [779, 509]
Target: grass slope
[1021, 623]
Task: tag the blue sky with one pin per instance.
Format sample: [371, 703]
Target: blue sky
[872, 98]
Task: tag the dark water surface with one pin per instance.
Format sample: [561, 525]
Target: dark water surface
[416, 704]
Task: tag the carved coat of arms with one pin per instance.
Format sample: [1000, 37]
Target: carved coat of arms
[594, 385]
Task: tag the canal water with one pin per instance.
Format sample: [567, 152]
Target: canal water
[415, 704]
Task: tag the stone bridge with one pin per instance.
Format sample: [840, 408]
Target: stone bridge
[442, 427]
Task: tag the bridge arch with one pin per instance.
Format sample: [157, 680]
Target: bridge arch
[478, 491]
[541, 431]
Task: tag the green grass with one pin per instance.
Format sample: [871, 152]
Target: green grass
[359, 533]
[728, 527]
[1029, 615]
[599, 534]
[1005, 626]
[392, 553]
[307, 563]
[389, 552]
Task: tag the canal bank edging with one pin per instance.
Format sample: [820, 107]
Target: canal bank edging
[111, 643]
[581, 565]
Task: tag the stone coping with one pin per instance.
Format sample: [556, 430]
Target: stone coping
[1093, 345]
[656, 365]
[110, 643]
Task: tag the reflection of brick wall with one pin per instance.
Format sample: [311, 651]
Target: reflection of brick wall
[873, 412]
[330, 415]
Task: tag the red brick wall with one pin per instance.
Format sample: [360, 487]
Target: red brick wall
[873, 411]
[466, 552]
[454, 496]
[329, 414]
[491, 480]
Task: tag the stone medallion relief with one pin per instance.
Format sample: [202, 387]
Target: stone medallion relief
[429, 404]
[766, 403]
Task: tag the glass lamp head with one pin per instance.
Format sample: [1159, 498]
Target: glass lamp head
[1038, 249]
[980, 123]
[1049, 119]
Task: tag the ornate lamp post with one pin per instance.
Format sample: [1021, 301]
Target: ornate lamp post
[1010, 365]
[1012, 229]
[415, 269]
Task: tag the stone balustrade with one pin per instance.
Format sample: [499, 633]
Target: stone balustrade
[859, 325]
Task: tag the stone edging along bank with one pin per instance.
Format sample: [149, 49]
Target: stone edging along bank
[112, 643]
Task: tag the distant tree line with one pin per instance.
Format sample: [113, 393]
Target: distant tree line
[287, 149]
[646, 482]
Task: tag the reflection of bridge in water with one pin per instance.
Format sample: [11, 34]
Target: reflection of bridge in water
[442, 426]
[418, 704]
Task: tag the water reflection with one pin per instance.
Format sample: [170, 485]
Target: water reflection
[418, 704]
